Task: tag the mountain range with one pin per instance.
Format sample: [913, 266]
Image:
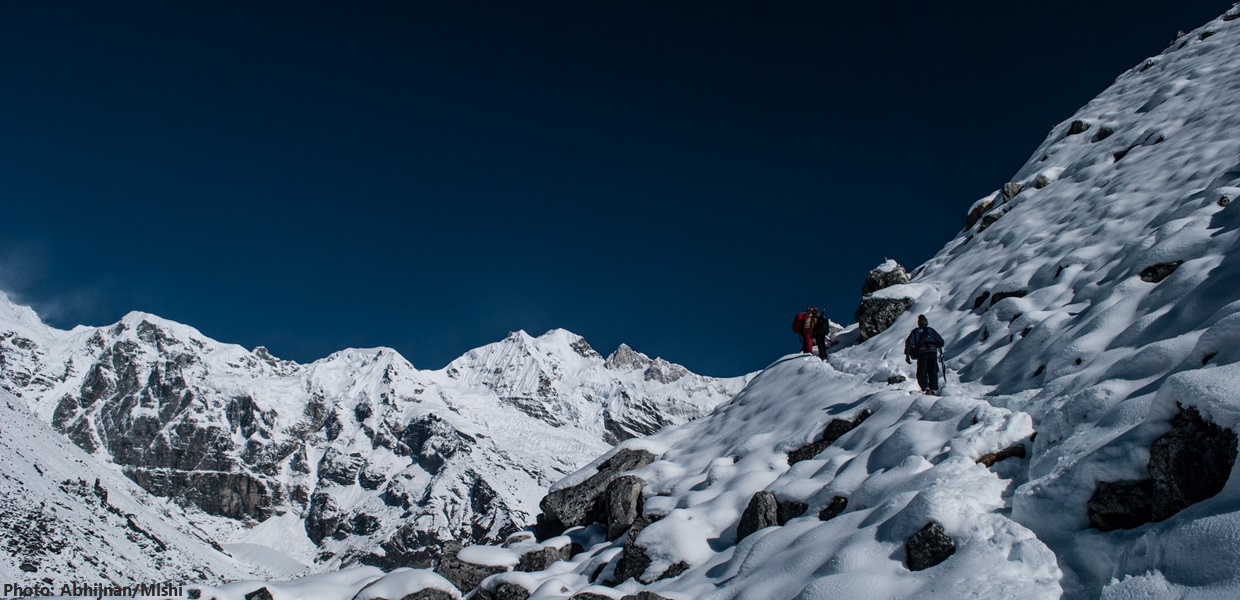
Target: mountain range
[358, 458]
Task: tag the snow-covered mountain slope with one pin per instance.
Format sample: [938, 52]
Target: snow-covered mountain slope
[66, 517]
[356, 458]
[1084, 445]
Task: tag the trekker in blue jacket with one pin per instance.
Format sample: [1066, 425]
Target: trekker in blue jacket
[924, 344]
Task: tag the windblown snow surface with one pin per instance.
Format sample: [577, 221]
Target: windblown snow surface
[1087, 354]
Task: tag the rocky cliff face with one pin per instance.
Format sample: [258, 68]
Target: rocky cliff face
[377, 462]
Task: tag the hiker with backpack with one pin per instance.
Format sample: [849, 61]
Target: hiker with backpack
[924, 344]
[803, 325]
[822, 329]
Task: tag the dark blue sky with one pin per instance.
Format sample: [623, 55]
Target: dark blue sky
[680, 176]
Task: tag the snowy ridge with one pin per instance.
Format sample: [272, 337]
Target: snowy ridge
[355, 458]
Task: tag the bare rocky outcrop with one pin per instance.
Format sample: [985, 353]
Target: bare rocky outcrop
[1188, 464]
[584, 503]
[928, 547]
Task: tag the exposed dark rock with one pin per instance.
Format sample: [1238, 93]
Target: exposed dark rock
[261, 593]
[645, 595]
[895, 379]
[540, 559]
[589, 596]
[980, 300]
[875, 315]
[583, 503]
[1159, 272]
[1120, 154]
[465, 576]
[1041, 181]
[1104, 133]
[1121, 504]
[623, 500]
[370, 478]
[1206, 34]
[999, 296]
[1010, 190]
[1188, 464]
[788, 510]
[323, 519]
[633, 560]
[426, 594]
[1224, 200]
[879, 279]
[989, 459]
[928, 547]
[1039, 370]
[991, 218]
[975, 214]
[194, 594]
[762, 512]
[1078, 126]
[503, 591]
[676, 570]
[340, 467]
[833, 510]
[833, 431]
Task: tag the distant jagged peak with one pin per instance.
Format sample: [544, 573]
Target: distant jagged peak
[627, 359]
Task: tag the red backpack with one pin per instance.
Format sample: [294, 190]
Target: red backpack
[798, 323]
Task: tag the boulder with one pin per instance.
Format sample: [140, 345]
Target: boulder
[884, 276]
[465, 576]
[1010, 190]
[583, 503]
[875, 315]
[633, 560]
[928, 547]
[1188, 464]
[261, 593]
[1159, 272]
[833, 431]
[833, 510]
[1078, 126]
[975, 214]
[762, 512]
[539, 559]
[623, 500]
[503, 591]
[787, 510]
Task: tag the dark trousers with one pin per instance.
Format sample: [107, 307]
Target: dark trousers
[821, 340]
[928, 371]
